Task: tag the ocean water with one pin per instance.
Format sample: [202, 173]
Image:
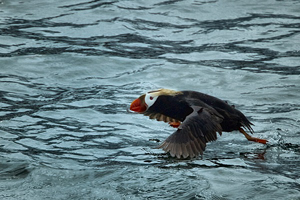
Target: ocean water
[70, 69]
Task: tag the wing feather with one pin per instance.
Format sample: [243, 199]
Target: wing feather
[159, 117]
[190, 139]
[185, 153]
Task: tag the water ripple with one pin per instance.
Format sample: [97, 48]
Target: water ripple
[69, 71]
[120, 44]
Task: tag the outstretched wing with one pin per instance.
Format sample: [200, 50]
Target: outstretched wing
[160, 117]
[190, 139]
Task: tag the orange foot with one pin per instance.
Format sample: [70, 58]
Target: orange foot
[263, 141]
[254, 139]
[175, 124]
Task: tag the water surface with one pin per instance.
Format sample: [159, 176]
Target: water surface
[70, 69]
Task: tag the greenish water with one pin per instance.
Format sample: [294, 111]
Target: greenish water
[70, 69]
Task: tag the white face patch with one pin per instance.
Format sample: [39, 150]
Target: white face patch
[150, 99]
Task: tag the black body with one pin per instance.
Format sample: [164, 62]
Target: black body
[202, 116]
[179, 107]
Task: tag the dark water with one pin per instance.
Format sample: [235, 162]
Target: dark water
[69, 70]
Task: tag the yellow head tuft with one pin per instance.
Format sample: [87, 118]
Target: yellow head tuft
[163, 91]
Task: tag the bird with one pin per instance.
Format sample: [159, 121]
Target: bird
[198, 118]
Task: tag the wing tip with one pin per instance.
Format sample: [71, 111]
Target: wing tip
[181, 151]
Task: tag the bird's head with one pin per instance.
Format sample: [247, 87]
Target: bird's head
[145, 101]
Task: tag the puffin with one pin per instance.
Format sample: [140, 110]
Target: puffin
[197, 117]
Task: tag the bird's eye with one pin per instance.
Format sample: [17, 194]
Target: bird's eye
[151, 98]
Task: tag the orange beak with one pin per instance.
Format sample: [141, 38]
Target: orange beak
[138, 106]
